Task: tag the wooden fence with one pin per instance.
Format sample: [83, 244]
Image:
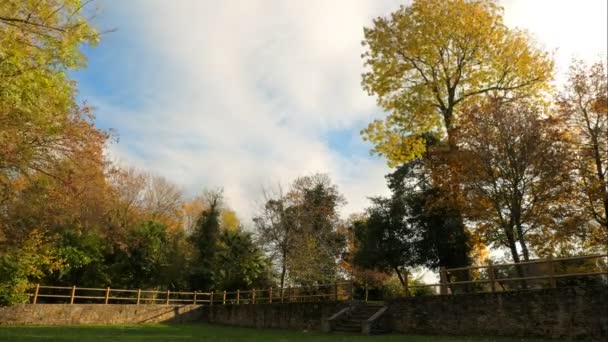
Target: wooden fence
[542, 273]
[338, 291]
[536, 274]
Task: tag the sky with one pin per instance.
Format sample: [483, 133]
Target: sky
[249, 94]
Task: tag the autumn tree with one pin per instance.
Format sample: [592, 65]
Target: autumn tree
[426, 60]
[584, 105]
[40, 120]
[275, 227]
[315, 203]
[300, 228]
[516, 172]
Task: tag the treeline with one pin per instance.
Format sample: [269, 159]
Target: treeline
[486, 155]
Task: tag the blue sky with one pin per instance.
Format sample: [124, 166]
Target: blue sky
[249, 94]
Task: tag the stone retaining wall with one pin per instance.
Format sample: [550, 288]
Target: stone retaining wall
[297, 316]
[552, 313]
[65, 314]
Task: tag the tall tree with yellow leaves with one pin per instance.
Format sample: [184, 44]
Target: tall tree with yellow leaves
[427, 60]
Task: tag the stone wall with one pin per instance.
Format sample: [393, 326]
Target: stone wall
[65, 314]
[552, 313]
[297, 316]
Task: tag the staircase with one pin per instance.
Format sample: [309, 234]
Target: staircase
[354, 321]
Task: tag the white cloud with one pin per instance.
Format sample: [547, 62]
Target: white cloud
[242, 94]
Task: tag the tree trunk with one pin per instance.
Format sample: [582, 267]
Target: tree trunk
[283, 271]
[511, 243]
[400, 276]
[522, 242]
[602, 179]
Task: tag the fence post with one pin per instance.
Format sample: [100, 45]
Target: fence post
[36, 293]
[138, 295]
[238, 296]
[224, 298]
[551, 272]
[491, 274]
[168, 294]
[352, 289]
[366, 291]
[72, 295]
[252, 296]
[211, 299]
[107, 295]
[406, 285]
[443, 278]
[270, 295]
[336, 290]
[194, 298]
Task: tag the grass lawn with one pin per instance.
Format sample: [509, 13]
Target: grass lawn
[201, 332]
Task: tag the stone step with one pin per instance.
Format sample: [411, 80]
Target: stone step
[349, 331]
[348, 328]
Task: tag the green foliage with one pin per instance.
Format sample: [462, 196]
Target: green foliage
[384, 240]
[300, 230]
[21, 268]
[39, 118]
[240, 264]
[84, 256]
[412, 228]
[439, 231]
[393, 288]
[205, 239]
[143, 263]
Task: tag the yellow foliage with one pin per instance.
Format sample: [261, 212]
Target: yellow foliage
[428, 59]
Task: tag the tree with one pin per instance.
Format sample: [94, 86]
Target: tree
[84, 257]
[414, 227]
[384, 240]
[240, 264]
[429, 59]
[314, 208]
[162, 201]
[275, 228]
[584, 105]
[441, 238]
[516, 172]
[300, 230]
[205, 240]
[24, 265]
[40, 120]
[143, 263]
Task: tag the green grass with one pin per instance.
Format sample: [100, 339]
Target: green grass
[202, 332]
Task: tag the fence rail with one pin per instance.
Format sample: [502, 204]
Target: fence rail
[542, 273]
[338, 291]
[534, 274]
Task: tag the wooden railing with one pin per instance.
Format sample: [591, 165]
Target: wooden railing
[536, 274]
[545, 273]
[338, 291]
